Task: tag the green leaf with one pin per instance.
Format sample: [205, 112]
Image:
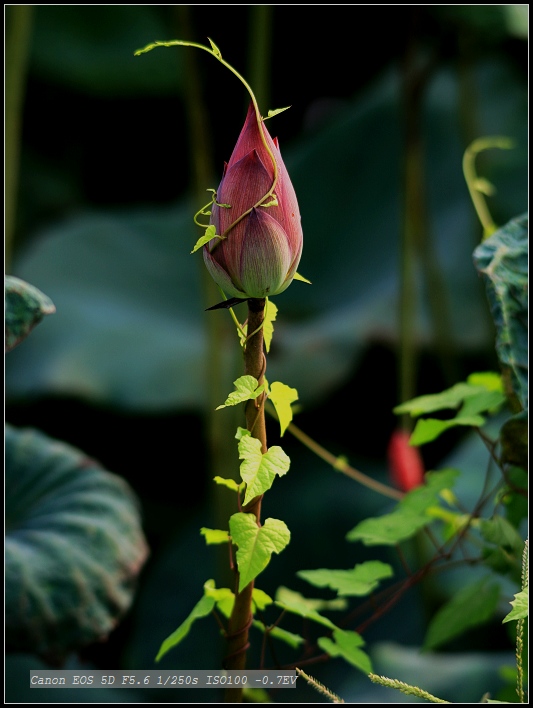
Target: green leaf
[346, 645]
[358, 581]
[224, 597]
[470, 607]
[215, 49]
[271, 312]
[502, 260]
[275, 111]
[388, 530]
[202, 608]
[247, 388]
[214, 536]
[261, 599]
[25, 307]
[296, 603]
[500, 532]
[487, 401]
[293, 640]
[74, 546]
[489, 380]
[256, 544]
[272, 202]
[299, 277]
[259, 470]
[229, 483]
[520, 606]
[282, 396]
[450, 398]
[410, 515]
[428, 429]
[210, 233]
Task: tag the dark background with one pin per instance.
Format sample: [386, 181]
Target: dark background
[93, 140]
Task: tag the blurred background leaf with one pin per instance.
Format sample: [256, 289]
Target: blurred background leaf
[74, 547]
[25, 307]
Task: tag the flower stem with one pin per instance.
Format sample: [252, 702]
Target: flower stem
[241, 616]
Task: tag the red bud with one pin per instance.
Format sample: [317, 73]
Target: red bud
[405, 462]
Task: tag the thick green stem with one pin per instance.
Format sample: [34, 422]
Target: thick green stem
[241, 616]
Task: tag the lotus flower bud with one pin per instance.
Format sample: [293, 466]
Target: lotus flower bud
[405, 462]
[258, 254]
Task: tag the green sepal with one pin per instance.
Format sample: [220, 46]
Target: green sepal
[256, 544]
[297, 276]
[275, 111]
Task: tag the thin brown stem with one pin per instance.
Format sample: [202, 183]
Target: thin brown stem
[342, 466]
[241, 616]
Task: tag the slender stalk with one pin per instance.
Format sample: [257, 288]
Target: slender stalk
[215, 52]
[473, 181]
[241, 616]
[342, 466]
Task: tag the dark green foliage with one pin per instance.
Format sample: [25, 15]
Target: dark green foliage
[503, 261]
[25, 307]
[74, 546]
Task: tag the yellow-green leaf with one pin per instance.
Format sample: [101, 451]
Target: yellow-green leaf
[213, 536]
[282, 396]
[246, 389]
[256, 544]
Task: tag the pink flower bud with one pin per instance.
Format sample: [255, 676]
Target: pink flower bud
[258, 256]
[405, 462]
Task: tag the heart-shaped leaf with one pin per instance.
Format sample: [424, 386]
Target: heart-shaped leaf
[256, 544]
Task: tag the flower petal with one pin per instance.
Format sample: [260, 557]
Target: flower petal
[265, 255]
[220, 276]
